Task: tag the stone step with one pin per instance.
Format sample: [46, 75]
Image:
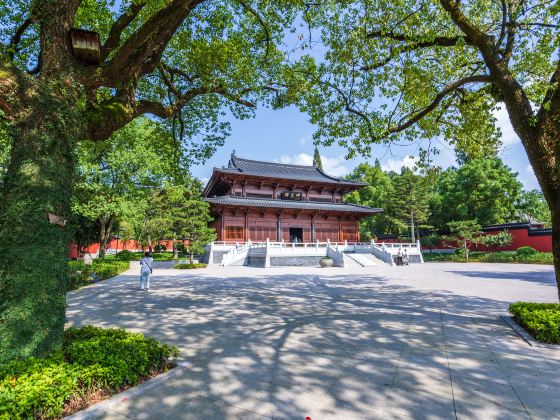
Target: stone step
[365, 260]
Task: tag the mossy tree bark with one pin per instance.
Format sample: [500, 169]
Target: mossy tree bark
[34, 217]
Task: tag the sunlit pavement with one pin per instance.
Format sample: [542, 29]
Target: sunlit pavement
[423, 341]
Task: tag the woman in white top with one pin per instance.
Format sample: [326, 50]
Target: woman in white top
[145, 270]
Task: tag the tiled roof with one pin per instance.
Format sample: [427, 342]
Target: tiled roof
[282, 170]
[288, 204]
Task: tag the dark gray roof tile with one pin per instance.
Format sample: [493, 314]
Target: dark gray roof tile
[287, 204]
[284, 171]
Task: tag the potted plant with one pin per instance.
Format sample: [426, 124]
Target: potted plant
[326, 262]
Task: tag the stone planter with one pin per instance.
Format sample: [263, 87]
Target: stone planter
[326, 262]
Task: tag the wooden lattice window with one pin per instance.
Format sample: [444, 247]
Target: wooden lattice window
[234, 232]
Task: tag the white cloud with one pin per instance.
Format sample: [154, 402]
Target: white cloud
[396, 165]
[303, 140]
[332, 166]
[509, 137]
[204, 180]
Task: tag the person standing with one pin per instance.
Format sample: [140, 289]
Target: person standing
[145, 270]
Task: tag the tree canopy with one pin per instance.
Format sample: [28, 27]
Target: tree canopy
[424, 69]
[115, 177]
[481, 189]
[532, 207]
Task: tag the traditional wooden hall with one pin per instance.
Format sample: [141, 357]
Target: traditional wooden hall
[255, 201]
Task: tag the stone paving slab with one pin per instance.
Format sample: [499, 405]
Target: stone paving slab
[420, 342]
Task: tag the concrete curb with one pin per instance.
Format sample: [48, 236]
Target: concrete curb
[525, 335]
[102, 407]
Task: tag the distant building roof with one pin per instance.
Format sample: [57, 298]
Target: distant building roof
[289, 204]
[283, 171]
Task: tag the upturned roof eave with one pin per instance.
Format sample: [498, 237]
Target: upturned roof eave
[330, 180]
[291, 205]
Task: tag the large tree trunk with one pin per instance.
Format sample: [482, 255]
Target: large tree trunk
[544, 154]
[175, 249]
[555, 213]
[34, 216]
[105, 234]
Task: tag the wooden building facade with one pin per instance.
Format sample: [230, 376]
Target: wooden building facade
[256, 201]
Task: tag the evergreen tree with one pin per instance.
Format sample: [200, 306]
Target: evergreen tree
[317, 159]
[178, 212]
[410, 203]
[378, 194]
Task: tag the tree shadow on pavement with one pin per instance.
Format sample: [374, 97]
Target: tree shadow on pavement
[291, 346]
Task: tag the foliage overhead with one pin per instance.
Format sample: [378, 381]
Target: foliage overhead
[427, 69]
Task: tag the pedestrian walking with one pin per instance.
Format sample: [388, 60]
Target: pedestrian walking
[145, 270]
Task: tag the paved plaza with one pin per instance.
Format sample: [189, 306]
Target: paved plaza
[422, 341]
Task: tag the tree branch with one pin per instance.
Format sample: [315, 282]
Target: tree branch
[412, 119]
[142, 51]
[477, 37]
[124, 20]
[120, 110]
[13, 47]
[261, 22]
[437, 41]
[510, 39]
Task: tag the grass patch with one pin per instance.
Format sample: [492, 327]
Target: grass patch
[493, 257]
[93, 364]
[189, 266]
[541, 320]
[80, 274]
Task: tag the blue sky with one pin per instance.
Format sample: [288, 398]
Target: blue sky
[285, 136]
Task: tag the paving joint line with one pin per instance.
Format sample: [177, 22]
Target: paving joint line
[397, 368]
[507, 379]
[448, 365]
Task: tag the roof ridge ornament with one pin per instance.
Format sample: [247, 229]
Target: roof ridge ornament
[231, 163]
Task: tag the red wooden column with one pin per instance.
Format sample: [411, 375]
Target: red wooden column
[222, 233]
[246, 227]
[357, 231]
[340, 229]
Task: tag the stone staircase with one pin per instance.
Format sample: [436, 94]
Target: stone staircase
[363, 260]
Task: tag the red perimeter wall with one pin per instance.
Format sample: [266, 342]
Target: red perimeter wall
[116, 244]
[522, 234]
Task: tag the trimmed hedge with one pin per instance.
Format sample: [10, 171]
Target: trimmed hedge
[494, 257]
[541, 320]
[189, 266]
[126, 255]
[93, 361]
[80, 274]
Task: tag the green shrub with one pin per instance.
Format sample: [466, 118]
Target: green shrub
[541, 320]
[189, 266]
[526, 251]
[493, 257]
[92, 359]
[126, 255]
[80, 274]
